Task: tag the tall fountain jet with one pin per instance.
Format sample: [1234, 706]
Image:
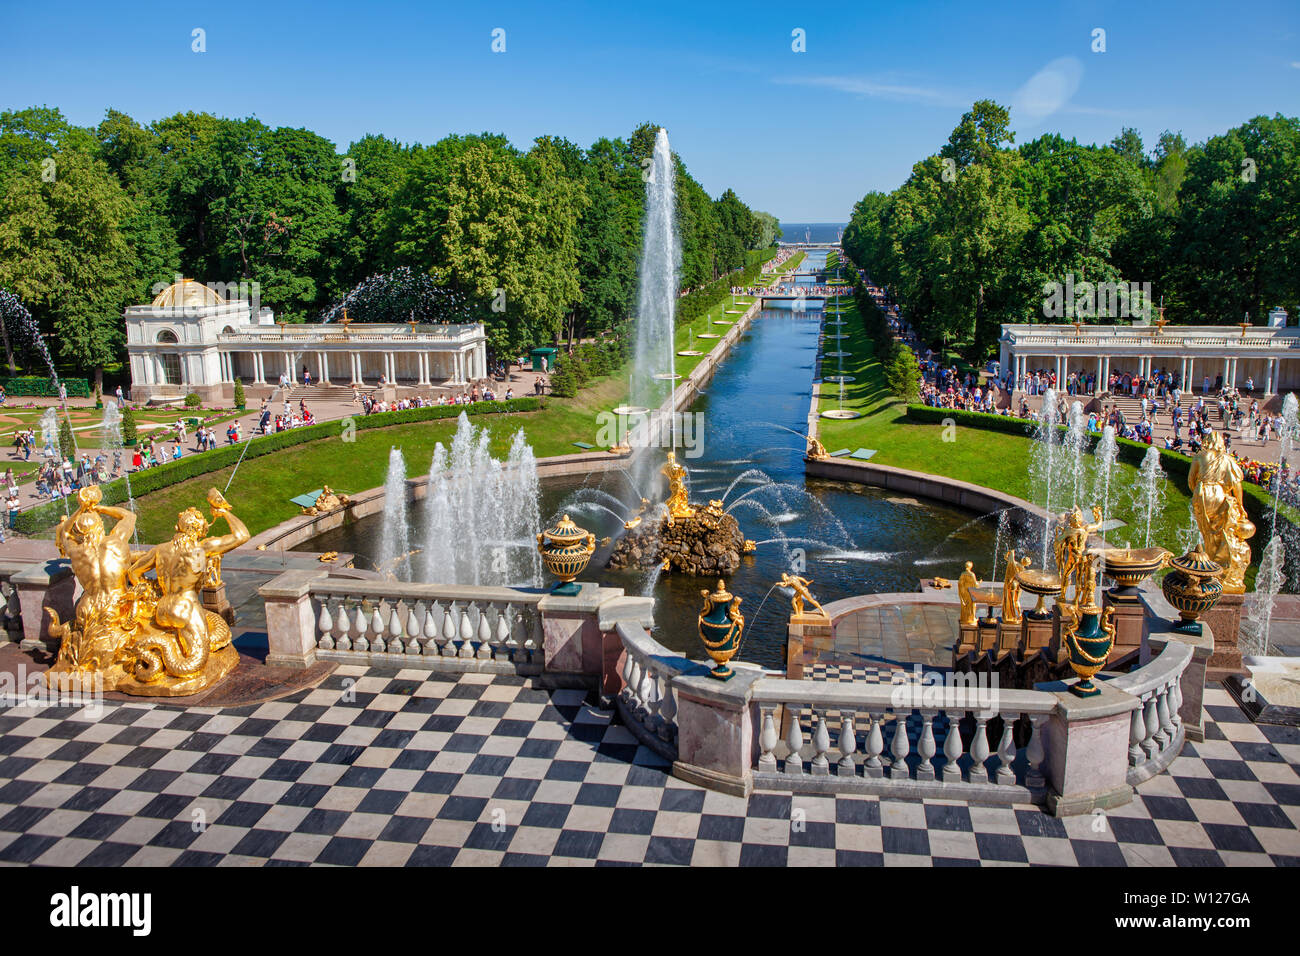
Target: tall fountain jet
[652, 369]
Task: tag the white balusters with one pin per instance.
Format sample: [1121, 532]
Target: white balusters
[1006, 751]
[900, 747]
[979, 751]
[430, 631]
[1036, 752]
[395, 644]
[767, 743]
[484, 636]
[952, 749]
[502, 643]
[1149, 743]
[822, 743]
[1165, 735]
[848, 744]
[794, 741]
[668, 711]
[466, 631]
[872, 766]
[325, 627]
[412, 631]
[1136, 732]
[1176, 702]
[925, 746]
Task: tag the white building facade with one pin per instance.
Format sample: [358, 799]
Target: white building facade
[1268, 356]
[191, 339]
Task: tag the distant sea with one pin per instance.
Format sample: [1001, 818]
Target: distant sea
[814, 231]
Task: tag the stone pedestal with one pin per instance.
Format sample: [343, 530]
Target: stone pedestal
[1159, 622]
[1037, 635]
[1224, 620]
[48, 584]
[1087, 749]
[806, 631]
[716, 742]
[1009, 638]
[1128, 620]
[290, 619]
[967, 641]
[215, 600]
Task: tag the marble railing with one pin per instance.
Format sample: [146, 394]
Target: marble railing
[12, 613]
[885, 738]
[1156, 728]
[647, 701]
[385, 621]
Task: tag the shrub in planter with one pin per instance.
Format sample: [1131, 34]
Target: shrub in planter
[128, 427]
[239, 395]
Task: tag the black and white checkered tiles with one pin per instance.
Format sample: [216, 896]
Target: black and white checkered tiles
[418, 768]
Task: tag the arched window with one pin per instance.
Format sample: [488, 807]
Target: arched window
[228, 330]
[167, 336]
[171, 368]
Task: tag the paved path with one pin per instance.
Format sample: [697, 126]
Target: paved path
[380, 766]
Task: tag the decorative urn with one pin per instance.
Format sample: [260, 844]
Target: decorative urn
[1129, 567]
[721, 625]
[1089, 636]
[1193, 586]
[565, 551]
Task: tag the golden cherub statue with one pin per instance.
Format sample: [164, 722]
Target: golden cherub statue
[1215, 482]
[801, 594]
[816, 450]
[1011, 587]
[678, 506]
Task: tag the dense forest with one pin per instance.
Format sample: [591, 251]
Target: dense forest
[92, 219]
[976, 235]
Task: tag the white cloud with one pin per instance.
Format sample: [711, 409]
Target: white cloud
[1047, 91]
[874, 88]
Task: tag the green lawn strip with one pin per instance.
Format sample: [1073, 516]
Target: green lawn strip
[992, 459]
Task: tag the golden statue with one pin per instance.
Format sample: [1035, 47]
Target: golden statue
[137, 635]
[1215, 482]
[801, 593]
[1071, 543]
[189, 649]
[816, 450]
[1011, 587]
[965, 583]
[326, 502]
[678, 506]
[99, 558]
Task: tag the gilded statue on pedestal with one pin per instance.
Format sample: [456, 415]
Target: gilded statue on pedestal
[1011, 588]
[965, 583]
[678, 505]
[816, 450]
[139, 635]
[801, 594]
[1070, 547]
[326, 502]
[1215, 482]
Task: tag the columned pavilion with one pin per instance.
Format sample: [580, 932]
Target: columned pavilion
[191, 339]
[1224, 354]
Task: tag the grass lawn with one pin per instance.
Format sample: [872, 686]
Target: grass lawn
[988, 458]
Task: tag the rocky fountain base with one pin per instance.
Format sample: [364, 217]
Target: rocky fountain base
[708, 541]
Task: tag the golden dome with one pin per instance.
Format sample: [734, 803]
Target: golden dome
[186, 294]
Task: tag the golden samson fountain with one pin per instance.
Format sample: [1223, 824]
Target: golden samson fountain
[145, 636]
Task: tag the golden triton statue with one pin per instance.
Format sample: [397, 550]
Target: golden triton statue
[326, 502]
[91, 641]
[1215, 483]
[190, 647]
[141, 636]
[801, 593]
[816, 450]
[678, 505]
[1011, 588]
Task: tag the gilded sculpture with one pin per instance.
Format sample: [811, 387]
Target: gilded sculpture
[678, 505]
[1070, 549]
[816, 450]
[1215, 483]
[1011, 587]
[801, 594]
[326, 502]
[150, 637]
[965, 583]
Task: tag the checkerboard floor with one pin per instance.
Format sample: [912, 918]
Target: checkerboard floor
[381, 766]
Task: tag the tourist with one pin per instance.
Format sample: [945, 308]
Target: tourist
[3, 397]
[306, 376]
[118, 393]
[13, 505]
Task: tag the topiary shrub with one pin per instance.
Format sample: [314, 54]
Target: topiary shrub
[67, 448]
[240, 401]
[192, 400]
[128, 427]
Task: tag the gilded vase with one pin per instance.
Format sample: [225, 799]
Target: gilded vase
[565, 551]
[1089, 639]
[720, 626]
[1192, 587]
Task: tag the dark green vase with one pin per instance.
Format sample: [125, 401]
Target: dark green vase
[721, 626]
[1089, 646]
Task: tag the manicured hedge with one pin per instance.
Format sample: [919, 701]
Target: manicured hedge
[38, 386]
[45, 516]
[1259, 504]
[696, 303]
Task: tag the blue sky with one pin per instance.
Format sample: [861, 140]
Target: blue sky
[801, 135]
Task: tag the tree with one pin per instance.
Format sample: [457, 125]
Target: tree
[62, 250]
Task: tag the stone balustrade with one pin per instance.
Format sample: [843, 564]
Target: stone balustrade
[1156, 727]
[647, 702]
[885, 739]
